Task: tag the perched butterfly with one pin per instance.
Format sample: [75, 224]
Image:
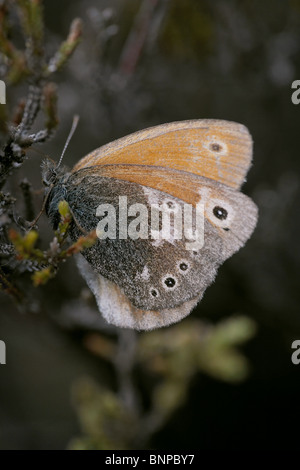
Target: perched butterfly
[149, 281]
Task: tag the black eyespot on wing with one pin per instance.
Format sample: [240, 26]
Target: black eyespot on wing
[216, 147]
[154, 293]
[170, 282]
[226, 229]
[183, 266]
[220, 212]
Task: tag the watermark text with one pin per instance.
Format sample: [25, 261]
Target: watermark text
[2, 352]
[2, 92]
[167, 221]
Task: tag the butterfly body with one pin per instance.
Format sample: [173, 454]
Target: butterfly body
[154, 280]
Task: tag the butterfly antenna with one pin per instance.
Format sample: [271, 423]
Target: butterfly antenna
[73, 128]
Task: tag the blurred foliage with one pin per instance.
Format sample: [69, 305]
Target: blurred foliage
[191, 21]
[104, 420]
[46, 262]
[18, 253]
[172, 357]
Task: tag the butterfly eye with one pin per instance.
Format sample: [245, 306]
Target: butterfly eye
[220, 212]
[169, 282]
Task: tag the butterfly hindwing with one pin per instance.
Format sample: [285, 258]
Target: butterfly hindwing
[153, 273]
[144, 268]
[117, 309]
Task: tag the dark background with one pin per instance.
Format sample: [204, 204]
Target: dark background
[227, 60]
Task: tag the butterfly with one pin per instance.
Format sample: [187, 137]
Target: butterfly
[147, 282]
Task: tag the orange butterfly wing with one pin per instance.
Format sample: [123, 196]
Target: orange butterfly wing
[219, 150]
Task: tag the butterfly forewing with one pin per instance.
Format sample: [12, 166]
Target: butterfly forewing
[215, 149]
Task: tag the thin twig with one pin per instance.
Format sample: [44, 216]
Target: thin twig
[137, 37]
[124, 364]
[7, 286]
[27, 195]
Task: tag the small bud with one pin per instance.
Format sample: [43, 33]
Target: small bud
[43, 276]
[30, 239]
[63, 209]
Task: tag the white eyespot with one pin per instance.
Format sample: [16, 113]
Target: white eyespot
[183, 266]
[216, 146]
[169, 282]
[220, 213]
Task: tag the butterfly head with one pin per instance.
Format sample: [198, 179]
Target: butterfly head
[51, 173]
[53, 179]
